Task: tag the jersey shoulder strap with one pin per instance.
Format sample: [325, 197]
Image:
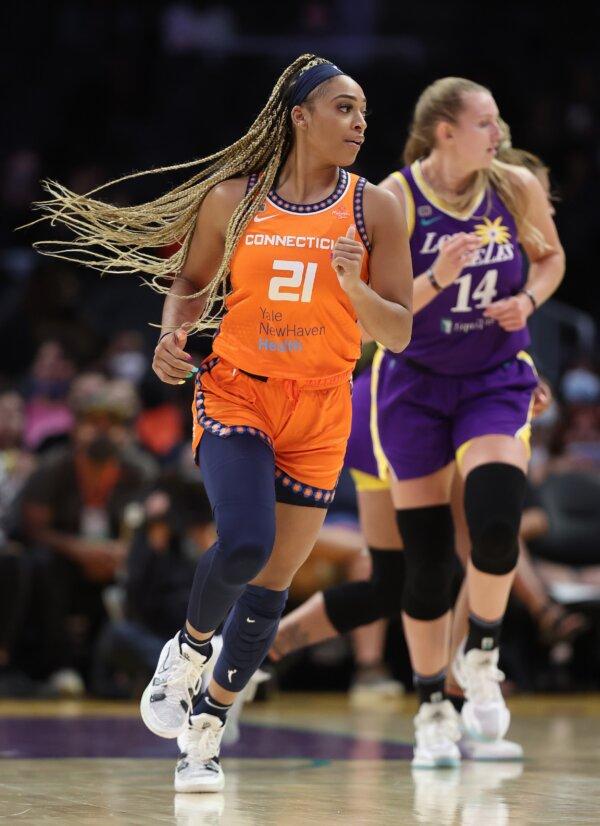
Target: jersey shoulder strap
[359, 214]
[409, 200]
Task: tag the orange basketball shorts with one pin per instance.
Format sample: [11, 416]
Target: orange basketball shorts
[305, 422]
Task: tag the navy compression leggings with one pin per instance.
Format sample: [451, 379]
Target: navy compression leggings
[239, 476]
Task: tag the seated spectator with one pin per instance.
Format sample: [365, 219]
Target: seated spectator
[569, 491]
[73, 515]
[125, 357]
[16, 465]
[162, 425]
[563, 524]
[48, 416]
[160, 568]
[16, 462]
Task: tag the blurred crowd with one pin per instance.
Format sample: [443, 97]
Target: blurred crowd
[149, 91]
[102, 510]
[103, 515]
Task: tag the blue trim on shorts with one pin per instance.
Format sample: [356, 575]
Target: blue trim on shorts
[213, 425]
[292, 492]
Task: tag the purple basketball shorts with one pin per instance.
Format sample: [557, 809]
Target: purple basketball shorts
[423, 418]
[359, 453]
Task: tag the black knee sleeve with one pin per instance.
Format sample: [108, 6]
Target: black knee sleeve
[494, 496]
[428, 537]
[352, 604]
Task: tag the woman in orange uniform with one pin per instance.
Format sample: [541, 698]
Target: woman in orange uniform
[301, 250]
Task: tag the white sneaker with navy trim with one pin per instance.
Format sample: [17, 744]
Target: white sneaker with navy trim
[167, 700]
[198, 768]
[484, 714]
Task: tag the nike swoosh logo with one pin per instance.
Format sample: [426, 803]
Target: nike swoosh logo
[258, 218]
[426, 221]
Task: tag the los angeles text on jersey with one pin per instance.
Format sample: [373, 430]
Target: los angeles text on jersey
[489, 254]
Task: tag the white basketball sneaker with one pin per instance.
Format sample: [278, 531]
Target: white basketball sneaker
[167, 700]
[198, 768]
[484, 714]
[491, 751]
[436, 733]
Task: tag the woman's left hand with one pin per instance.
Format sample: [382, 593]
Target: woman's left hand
[511, 313]
[347, 258]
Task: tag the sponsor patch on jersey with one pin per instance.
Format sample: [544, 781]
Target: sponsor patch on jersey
[341, 212]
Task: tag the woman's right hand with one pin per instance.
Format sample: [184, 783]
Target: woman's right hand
[171, 363]
[542, 398]
[454, 255]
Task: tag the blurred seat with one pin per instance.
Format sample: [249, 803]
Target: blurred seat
[559, 334]
[572, 502]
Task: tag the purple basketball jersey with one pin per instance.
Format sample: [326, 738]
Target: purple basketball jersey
[451, 335]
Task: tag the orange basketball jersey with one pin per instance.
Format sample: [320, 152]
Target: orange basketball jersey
[287, 315]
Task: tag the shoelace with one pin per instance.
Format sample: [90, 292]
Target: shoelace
[482, 683]
[204, 745]
[437, 725]
[184, 675]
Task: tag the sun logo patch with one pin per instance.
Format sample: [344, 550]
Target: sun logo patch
[492, 232]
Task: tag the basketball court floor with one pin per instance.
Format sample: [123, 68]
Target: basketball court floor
[303, 759]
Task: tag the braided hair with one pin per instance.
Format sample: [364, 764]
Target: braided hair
[124, 239]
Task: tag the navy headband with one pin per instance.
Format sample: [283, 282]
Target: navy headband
[309, 80]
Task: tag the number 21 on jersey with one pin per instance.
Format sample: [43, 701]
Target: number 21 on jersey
[287, 287]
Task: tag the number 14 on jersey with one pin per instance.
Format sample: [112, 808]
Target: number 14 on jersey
[484, 293]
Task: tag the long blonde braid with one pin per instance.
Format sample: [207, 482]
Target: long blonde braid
[122, 239]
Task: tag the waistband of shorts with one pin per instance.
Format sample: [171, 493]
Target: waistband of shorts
[422, 368]
[319, 382]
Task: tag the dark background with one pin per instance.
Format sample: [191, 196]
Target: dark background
[97, 89]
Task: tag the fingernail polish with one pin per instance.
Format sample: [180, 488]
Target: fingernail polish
[189, 375]
[181, 382]
[195, 369]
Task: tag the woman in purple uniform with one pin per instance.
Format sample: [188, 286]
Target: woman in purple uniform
[462, 392]
[460, 396]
